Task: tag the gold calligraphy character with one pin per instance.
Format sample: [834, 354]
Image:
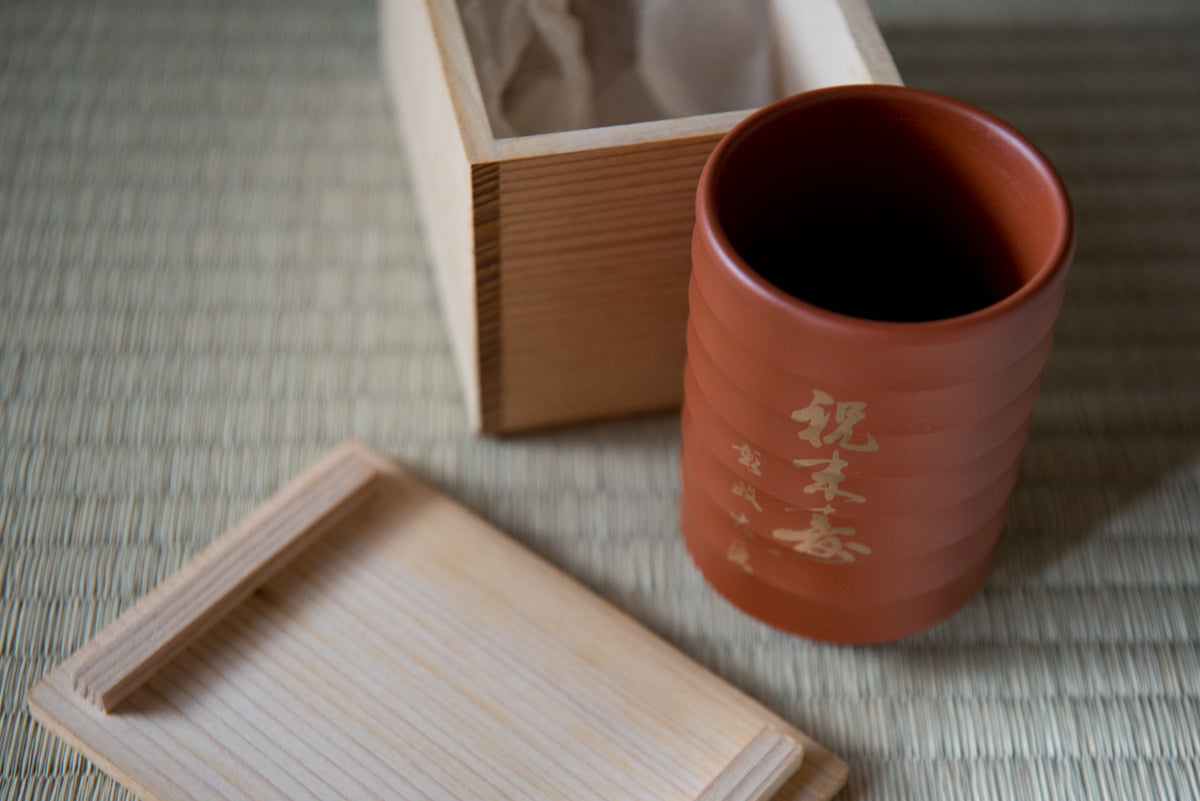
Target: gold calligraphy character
[748, 492]
[822, 541]
[749, 458]
[825, 482]
[846, 414]
[740, 557]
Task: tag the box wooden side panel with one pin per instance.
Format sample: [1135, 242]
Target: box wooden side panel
[421, 82]
[869, 42]
[827, 43]
[595, 250]
[485, 187]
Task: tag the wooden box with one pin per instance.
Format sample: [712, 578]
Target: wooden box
[562, 259]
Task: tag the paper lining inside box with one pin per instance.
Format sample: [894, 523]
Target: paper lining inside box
[554, 65]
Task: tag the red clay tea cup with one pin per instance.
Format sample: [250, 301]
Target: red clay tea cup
[876, 275]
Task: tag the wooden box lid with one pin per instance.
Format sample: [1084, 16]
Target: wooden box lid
[361, 636]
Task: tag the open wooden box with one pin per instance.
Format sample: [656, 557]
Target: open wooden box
[562, 259]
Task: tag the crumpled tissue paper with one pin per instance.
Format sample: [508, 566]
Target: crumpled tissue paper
[554, 65]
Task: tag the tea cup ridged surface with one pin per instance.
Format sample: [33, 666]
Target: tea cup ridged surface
[843, 478]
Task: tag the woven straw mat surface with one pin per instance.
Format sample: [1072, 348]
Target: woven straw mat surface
[211, 271]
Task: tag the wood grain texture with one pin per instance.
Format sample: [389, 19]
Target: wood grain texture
[485, 189]
[562, 258]
[757, 771]
[415, 652]
[595, 247]
[193, 599]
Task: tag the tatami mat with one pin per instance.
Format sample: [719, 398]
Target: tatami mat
[211, 271]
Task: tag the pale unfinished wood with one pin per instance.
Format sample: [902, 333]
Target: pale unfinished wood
[827, 42]
[194, 598]
[415, 652]
[758, 770]
[439, 111]
[562, 259]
